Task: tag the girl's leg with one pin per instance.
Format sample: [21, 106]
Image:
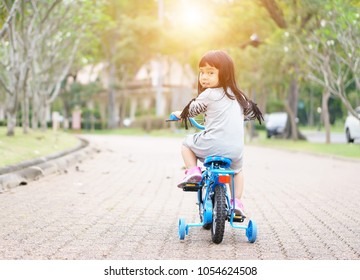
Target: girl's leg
[239, 187]
[189, 157]
[193, 172]
[239, 184]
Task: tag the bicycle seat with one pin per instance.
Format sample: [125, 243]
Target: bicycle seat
[222, 161]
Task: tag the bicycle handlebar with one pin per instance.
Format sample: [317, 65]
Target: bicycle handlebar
[196, 124]
[192, 121]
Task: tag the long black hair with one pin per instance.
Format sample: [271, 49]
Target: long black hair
[224, 63]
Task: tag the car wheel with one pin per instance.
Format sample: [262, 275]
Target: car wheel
[348, 136]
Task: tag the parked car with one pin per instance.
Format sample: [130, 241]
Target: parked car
[275, 123]
[352, 127]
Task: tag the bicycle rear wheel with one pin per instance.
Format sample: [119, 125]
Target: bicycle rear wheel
[219, 215]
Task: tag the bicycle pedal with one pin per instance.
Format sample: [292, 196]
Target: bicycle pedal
[239, 219]
[191, 187]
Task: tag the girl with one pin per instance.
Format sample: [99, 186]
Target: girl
[224, 106]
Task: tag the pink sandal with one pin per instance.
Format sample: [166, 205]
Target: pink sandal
[192, 175]
[239, 207]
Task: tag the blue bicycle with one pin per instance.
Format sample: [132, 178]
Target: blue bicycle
[215, 207]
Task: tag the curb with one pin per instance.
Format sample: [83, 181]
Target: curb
[24, 172]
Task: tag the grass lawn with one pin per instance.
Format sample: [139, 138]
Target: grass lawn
[333, 149]
[35, 144]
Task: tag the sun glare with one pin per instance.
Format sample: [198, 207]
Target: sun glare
[188, 14]
[192, 16]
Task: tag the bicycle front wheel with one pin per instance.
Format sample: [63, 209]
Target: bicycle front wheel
[219, 215]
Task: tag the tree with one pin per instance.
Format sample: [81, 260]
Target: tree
[53, 56]
[17, 56]
[333, 54]
[129, 38]
[38, 46]
[295, 20]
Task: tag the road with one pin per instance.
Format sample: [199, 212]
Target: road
[320, 137]
[123, 204]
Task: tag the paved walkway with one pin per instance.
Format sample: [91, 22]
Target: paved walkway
[123, 204]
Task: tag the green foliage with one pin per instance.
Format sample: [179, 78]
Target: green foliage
[354, 98]
[78, 94]
[139, 41]
[275, 105]
[335, 109]
[126, 34]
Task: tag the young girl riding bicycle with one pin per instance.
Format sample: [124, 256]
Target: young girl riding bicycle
[224, 106]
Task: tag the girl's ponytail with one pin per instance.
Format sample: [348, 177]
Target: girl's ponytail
[252, 112]
[185, 114]
[250, 108]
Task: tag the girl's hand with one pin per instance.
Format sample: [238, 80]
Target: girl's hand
[177, 114]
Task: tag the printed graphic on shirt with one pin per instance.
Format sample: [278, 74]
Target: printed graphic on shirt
[196, 108]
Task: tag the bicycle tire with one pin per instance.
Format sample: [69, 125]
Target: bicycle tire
[182, 229]
[219, 214]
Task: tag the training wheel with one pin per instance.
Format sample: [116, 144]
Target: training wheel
[182, 228]
[251, 231]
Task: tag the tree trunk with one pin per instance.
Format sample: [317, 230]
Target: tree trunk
[25, 115]
[43, 114]
[291, 131]
[326, 115]
[111, 95]
[11, 110]
[291, 105]
[11, 123]
[123, 102]
[35, 112]
[293, 108]
[311, 121]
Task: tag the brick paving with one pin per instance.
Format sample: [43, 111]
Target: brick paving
[123, 203]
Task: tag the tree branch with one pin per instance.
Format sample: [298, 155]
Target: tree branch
[275, 12]
[9, 18]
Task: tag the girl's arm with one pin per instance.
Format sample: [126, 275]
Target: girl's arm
[177, 114]
[195, 107]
